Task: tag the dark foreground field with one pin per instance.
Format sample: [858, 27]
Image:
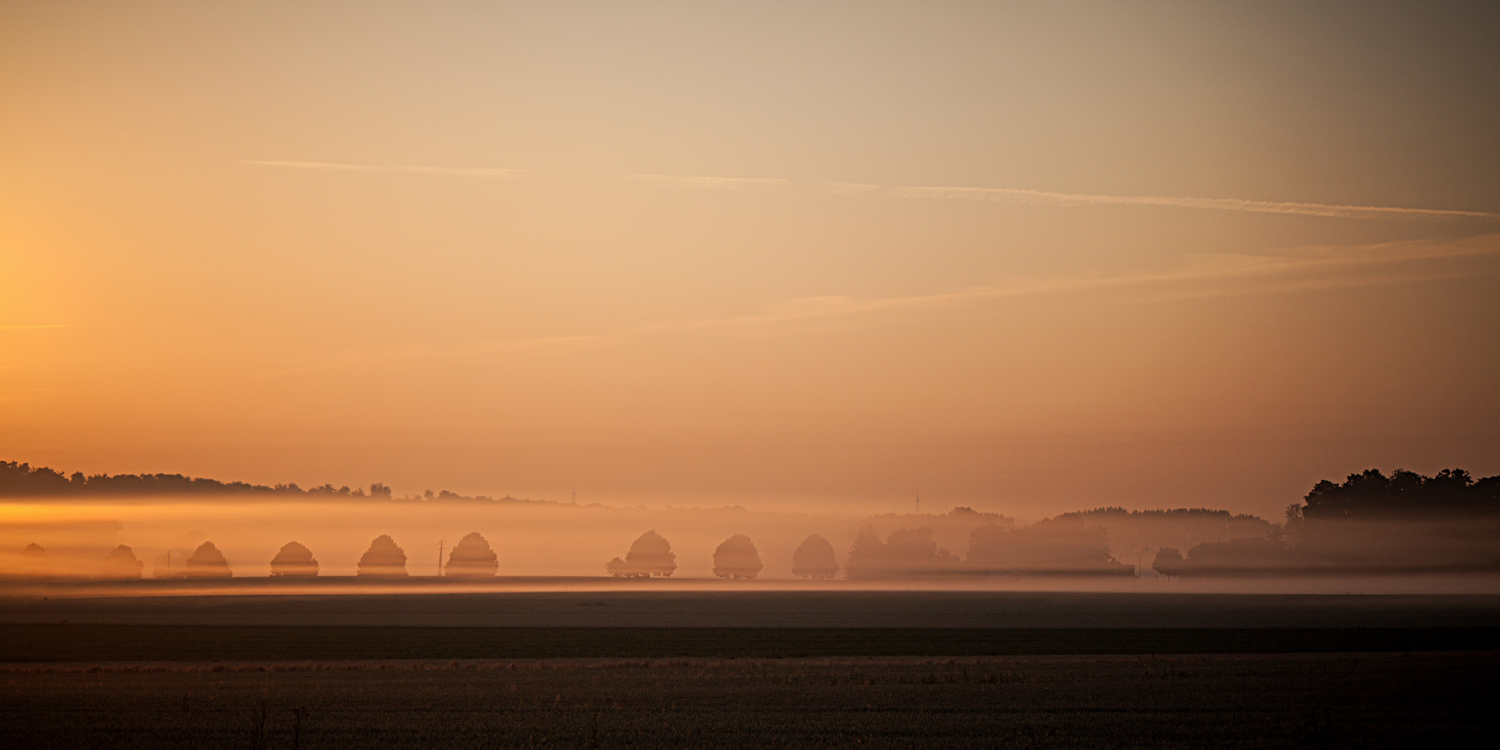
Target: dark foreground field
[1288, 700]
[752, 669]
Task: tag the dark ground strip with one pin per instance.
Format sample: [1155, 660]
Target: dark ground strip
[73, 643]
[1222, 701]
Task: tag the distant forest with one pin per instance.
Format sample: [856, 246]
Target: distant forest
[22, 480]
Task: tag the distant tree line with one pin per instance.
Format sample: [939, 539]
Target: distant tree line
[1369, 523]
[23, 480]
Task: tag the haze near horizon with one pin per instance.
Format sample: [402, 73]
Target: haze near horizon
[1029, 259]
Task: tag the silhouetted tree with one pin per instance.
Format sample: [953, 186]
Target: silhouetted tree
[1253, 556]
[1371, 495]
[294, 559]
[121, 563]
[1168, 562]
[208, 562]
[380, 491]
[472, 558]
[383, 558]
[33, 562]
[814, 559]
[650, 555]
[737, 558]
[617, 568]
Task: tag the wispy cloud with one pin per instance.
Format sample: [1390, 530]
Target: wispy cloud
[1207, 276]
[708, 183]
[1039, 197]
[331, 166]
[850, 188]
[1307, 269]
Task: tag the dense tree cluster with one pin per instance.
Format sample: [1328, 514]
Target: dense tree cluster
[737, 558]
[294, 559]
[650, 555]
[1373, 495]
[121, 563]
[1369, 523]
[814, 559]
[472, 558]
[208, 562]
[383, 559]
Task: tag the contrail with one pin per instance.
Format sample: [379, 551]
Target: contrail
[458, 171]
[1039, 197]
[708, 183]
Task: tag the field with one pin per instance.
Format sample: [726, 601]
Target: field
[1348, 700]
[748, 669]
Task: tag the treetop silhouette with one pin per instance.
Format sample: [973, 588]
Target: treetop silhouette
[650, 555]
[294, 559]
[737, 557]
[383, 559]
[472, 558]
[122, 563]
[814, 558]
[208, 562]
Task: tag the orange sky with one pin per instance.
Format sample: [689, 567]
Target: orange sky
[1027, 258]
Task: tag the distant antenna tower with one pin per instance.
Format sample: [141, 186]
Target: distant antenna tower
[440, 558]
[919, 503]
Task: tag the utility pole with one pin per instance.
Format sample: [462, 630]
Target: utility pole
[440, 558]
[919, 503]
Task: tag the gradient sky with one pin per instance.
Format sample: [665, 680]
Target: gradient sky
[1024, 257]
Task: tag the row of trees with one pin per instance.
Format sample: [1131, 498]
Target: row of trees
[472, 557]
[1047, 547]
[23, 480]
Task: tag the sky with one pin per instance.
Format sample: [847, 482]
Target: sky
[1023, 257]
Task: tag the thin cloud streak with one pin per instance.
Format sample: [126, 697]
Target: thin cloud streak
[447, 171]
[708, 183]
[1039, 197]
[850, 188]
[812, 308]
[1286, 274]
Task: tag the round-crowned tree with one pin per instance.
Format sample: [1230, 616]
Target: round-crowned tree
[208, 562]
[33, 561]
[294, 559]
[121, 563]
[617, 568]
[472, 558]
[1169, 562]
[814, 559]
[383, 558]
[737, 558]
[650, 555]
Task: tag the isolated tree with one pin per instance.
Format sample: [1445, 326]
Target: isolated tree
[1169, 562]
[814, 559]
[651, 555]
[208, 562]
[294, 559]
[737, 558]
[121, 563]
[33, 561]
[618, 568]
[383, 558]
[472, 558]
